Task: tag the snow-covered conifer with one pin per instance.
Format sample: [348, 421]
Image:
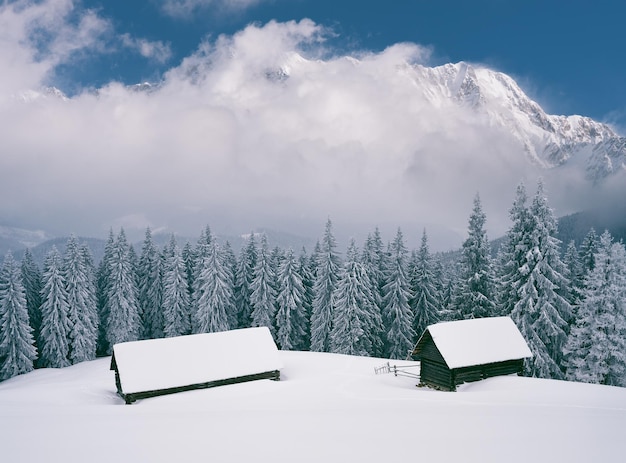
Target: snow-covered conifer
[354, 306]
[373, 258]
[150, 288]
[263, 297]
[541, 307]
[176, 304]
[397, 314]
[425, 301]
[31, 279]
[214, 289]
[290, 314]
[55, 317]
[597, 345]
[17, 350]
[476, 290]
[327, 276]
[243, 282]
[122, 307]
[81, 299]
[103, 276]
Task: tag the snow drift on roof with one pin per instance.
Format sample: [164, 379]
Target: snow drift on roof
[195, 359]
[479, 341]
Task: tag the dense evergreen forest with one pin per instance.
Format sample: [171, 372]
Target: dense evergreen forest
[568, 300]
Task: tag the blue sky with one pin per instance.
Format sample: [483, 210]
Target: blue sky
[568, 55]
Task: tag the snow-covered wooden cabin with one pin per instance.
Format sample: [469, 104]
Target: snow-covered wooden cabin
[452, 353]
[164, 366]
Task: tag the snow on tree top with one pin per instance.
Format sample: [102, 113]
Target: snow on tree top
[180, 361]
[478, 341]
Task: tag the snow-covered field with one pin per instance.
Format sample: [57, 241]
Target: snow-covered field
[326, 408]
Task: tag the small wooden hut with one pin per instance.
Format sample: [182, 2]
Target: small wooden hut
[452, 353]
[164, 366]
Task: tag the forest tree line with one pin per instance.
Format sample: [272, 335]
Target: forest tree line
[569, 302]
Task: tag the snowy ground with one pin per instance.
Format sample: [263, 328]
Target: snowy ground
[327, 408]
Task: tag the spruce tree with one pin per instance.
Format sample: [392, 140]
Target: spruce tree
[122, 307]
[17, 350]
[31, 278]
[397, 314]
[214, 291]
[81, 299]
[476, 290]
[305, 269]
[230, 264]
[243, 282]
[55, 314]
[541, 311]
[425, 302]
[327, 276]
[596, 348]
[150, 288]
[176, 304]
[374, 262]
[512, 254]
[263, 297]
[588, 250]
[189, 258]
[103, 276]
[354, 306]
[290, 314]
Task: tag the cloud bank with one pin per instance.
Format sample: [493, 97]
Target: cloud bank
[263, 128]
[185, 8]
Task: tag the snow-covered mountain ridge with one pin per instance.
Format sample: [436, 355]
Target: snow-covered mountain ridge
[549, 140]
[498, 101]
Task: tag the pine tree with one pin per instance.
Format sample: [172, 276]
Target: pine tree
[55, 316]
[354, 306]
[243, 282]
[83, 333]
[397, 314]
[263, 297]
[150, 288]
[426, 301]
[327, 276]
[215, 292]
[122, 307]
[597, 345]
[31, 278]
[17, 350]
[176, 304]
[476, 291]
[290, 315]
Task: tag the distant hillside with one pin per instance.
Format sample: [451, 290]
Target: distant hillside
[576, 226]
[274, 238]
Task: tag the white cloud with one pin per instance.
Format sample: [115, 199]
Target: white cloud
[35, 37]
[185, 8]
[247, 132]
[155, 50]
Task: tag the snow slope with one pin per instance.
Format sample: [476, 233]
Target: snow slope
[327, 408]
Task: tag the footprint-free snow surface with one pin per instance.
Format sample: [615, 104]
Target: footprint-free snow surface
[326, 408]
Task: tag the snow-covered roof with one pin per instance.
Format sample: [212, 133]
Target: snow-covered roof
[158, 364]
[478, 341]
